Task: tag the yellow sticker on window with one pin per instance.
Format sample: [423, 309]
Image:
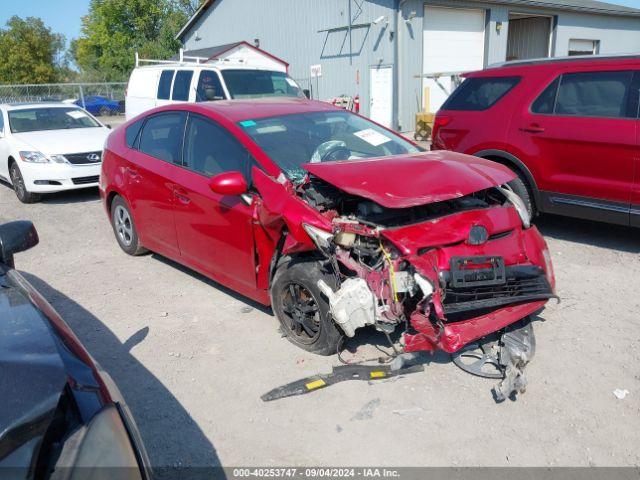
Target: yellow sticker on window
[378, 374]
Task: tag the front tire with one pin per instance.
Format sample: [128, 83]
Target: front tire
[303, 311]
[124, 228]
[19, 187]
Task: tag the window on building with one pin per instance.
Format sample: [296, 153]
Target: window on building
[583, 47]
[480, 93]
[161, 136]
[164, 86]
[181, 85]
[209, 149]
[209, 87]
[594, 94]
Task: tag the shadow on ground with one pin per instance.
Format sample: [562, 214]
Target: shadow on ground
[232, 293]
[597, 234]
[172, 438]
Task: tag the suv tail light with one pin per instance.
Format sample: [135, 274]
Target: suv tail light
[439, 122]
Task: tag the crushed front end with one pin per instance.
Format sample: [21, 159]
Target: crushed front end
[446, 273]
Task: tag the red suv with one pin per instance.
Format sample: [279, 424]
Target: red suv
[567, 127]
[335, 221]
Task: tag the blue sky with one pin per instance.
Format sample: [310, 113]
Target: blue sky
[63, 16]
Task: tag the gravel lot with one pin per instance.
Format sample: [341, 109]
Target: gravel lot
[192, 359]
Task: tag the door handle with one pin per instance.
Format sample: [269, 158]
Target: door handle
[181, 195]
[533, 128]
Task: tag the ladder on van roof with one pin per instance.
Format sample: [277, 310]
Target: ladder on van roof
[182, 60]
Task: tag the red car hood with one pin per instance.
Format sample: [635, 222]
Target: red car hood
[407, 181]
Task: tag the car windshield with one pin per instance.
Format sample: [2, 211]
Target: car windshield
[260, 83]
[52, 118]
[293, 140]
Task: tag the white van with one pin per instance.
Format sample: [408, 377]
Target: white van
[167, 82]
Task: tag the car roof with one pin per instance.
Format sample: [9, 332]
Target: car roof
[552, 63]
[22, 106]
[238, 110]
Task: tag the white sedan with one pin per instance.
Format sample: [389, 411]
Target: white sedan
[46, 148]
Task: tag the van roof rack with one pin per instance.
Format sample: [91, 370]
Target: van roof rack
[182, 60]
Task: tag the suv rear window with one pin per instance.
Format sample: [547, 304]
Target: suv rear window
[478, 94]
[588, 94]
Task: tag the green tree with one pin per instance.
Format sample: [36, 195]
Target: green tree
[30, 52]
[115, 29]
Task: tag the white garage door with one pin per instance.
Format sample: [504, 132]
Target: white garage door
[453, 42]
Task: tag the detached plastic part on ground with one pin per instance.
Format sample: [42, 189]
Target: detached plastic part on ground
[502, 356]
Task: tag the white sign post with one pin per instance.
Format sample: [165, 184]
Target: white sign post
[316, 71]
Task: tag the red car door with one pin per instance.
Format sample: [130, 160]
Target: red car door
[215, 232]
[579, 140]
[151, 176]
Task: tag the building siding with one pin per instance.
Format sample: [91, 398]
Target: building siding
[288, 29]
[292, 30]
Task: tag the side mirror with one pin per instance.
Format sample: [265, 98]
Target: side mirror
[16, 237]
[228, 183]
[307, 93]
[108, 125]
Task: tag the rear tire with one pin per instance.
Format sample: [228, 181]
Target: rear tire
[303, 311]
[19, 187]
[124, 228]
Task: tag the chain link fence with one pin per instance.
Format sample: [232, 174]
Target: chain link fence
[99, 99]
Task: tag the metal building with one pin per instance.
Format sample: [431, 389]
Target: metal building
[381, 50]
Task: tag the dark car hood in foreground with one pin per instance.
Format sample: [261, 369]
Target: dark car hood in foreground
[408, 181]
[32, 375]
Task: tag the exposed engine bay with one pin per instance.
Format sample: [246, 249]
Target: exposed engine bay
[331, 200]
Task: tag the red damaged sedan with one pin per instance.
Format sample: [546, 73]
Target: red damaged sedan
[334, 221]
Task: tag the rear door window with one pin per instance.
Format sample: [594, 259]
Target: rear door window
[594, 94]
[181, 85]
[476, 94]
[546, 102]
[161, 136]
[164, 86]
[131, 133]
[209, 87]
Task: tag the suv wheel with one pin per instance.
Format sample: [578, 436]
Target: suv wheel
[302, 309]
[519, 186]
[19, 187]
[124, 228]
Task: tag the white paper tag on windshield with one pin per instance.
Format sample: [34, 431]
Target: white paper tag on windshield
[372, 137]
[291, 82]
[76, 114]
